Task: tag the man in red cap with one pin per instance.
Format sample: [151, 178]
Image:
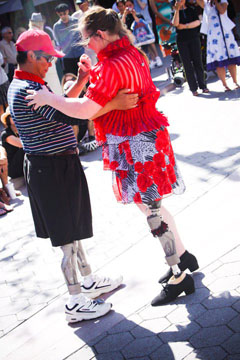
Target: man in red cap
[56, 183]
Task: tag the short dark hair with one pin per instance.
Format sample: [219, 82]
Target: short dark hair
[21, 57]
[61, 7]
[120, 1]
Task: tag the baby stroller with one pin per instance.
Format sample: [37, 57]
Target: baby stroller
[175, 70]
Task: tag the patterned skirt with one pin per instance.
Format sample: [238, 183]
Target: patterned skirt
[3, 93]
[144, 167]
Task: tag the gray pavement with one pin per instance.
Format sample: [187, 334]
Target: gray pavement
[205, 325]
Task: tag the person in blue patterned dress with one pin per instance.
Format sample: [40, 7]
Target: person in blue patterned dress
[222, 49]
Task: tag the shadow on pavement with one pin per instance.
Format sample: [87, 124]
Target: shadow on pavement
[208, 160]
[203, 324]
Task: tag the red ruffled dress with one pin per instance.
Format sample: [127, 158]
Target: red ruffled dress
[136, 143]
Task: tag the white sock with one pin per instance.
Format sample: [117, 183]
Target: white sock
[74, 299]
[88, 280]
[176, 271]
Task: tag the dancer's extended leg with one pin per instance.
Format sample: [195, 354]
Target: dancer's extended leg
[160, 228]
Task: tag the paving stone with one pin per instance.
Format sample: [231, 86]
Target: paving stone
[43, 297]
[216, 317]
[14, 307]
[28, 312]
[26, 292]
[232, 345]
[114, 342]
[6, 321]
[211, 336]
[213, 266]
[8, 276]
[228, 270]
[209, 353]
[152, 312]
[106, 356]
[201, 280]
[4, 303]
[236, 306]
[150, 327]
[126, 324]
[230, 283]
[85, 353]
[195, 298]
[12, 326]
[141, 347]
[233, 255]
[222, 299]
[186, 312]
[9, 290]
[234, 324]
[97, 339]
[179, 332]
[172, 351]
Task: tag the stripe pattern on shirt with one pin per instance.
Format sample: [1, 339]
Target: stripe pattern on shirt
[40, 133]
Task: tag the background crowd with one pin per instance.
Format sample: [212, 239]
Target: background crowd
[154, 23]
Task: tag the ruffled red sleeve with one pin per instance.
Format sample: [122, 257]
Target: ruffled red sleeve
[104, 83]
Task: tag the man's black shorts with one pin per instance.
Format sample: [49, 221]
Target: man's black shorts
[59, 198]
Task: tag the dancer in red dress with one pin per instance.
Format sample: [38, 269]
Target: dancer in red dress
[136, 144]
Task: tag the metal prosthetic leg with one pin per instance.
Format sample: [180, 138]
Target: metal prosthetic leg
[69, 268]
[83, 265]
[160, 229]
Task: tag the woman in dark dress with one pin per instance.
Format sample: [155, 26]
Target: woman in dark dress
[12, 145]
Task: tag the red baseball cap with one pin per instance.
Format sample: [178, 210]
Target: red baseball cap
[37, 40]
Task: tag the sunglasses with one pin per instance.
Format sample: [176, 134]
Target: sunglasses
[48, 58]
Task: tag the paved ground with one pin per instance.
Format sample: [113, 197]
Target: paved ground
[205, 325]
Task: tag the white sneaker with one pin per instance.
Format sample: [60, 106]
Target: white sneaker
[100, 285]
[86, 309]
[152, 64]
[158, 61]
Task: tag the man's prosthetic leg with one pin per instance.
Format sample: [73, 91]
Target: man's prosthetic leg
[160, 229]
[73, 259]
[180, 281]
[79, 307]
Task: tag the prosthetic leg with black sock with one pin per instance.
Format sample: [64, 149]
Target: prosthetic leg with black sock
[79, 307]
[179, 282]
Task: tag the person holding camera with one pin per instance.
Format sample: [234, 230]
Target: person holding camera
[186, 21]
[222, 49]
[129, 14]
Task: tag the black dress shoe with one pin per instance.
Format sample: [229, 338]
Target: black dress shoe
[187, 261]
[171, 291]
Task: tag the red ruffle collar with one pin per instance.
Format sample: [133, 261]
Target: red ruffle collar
[113, 47]
[24, 75]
